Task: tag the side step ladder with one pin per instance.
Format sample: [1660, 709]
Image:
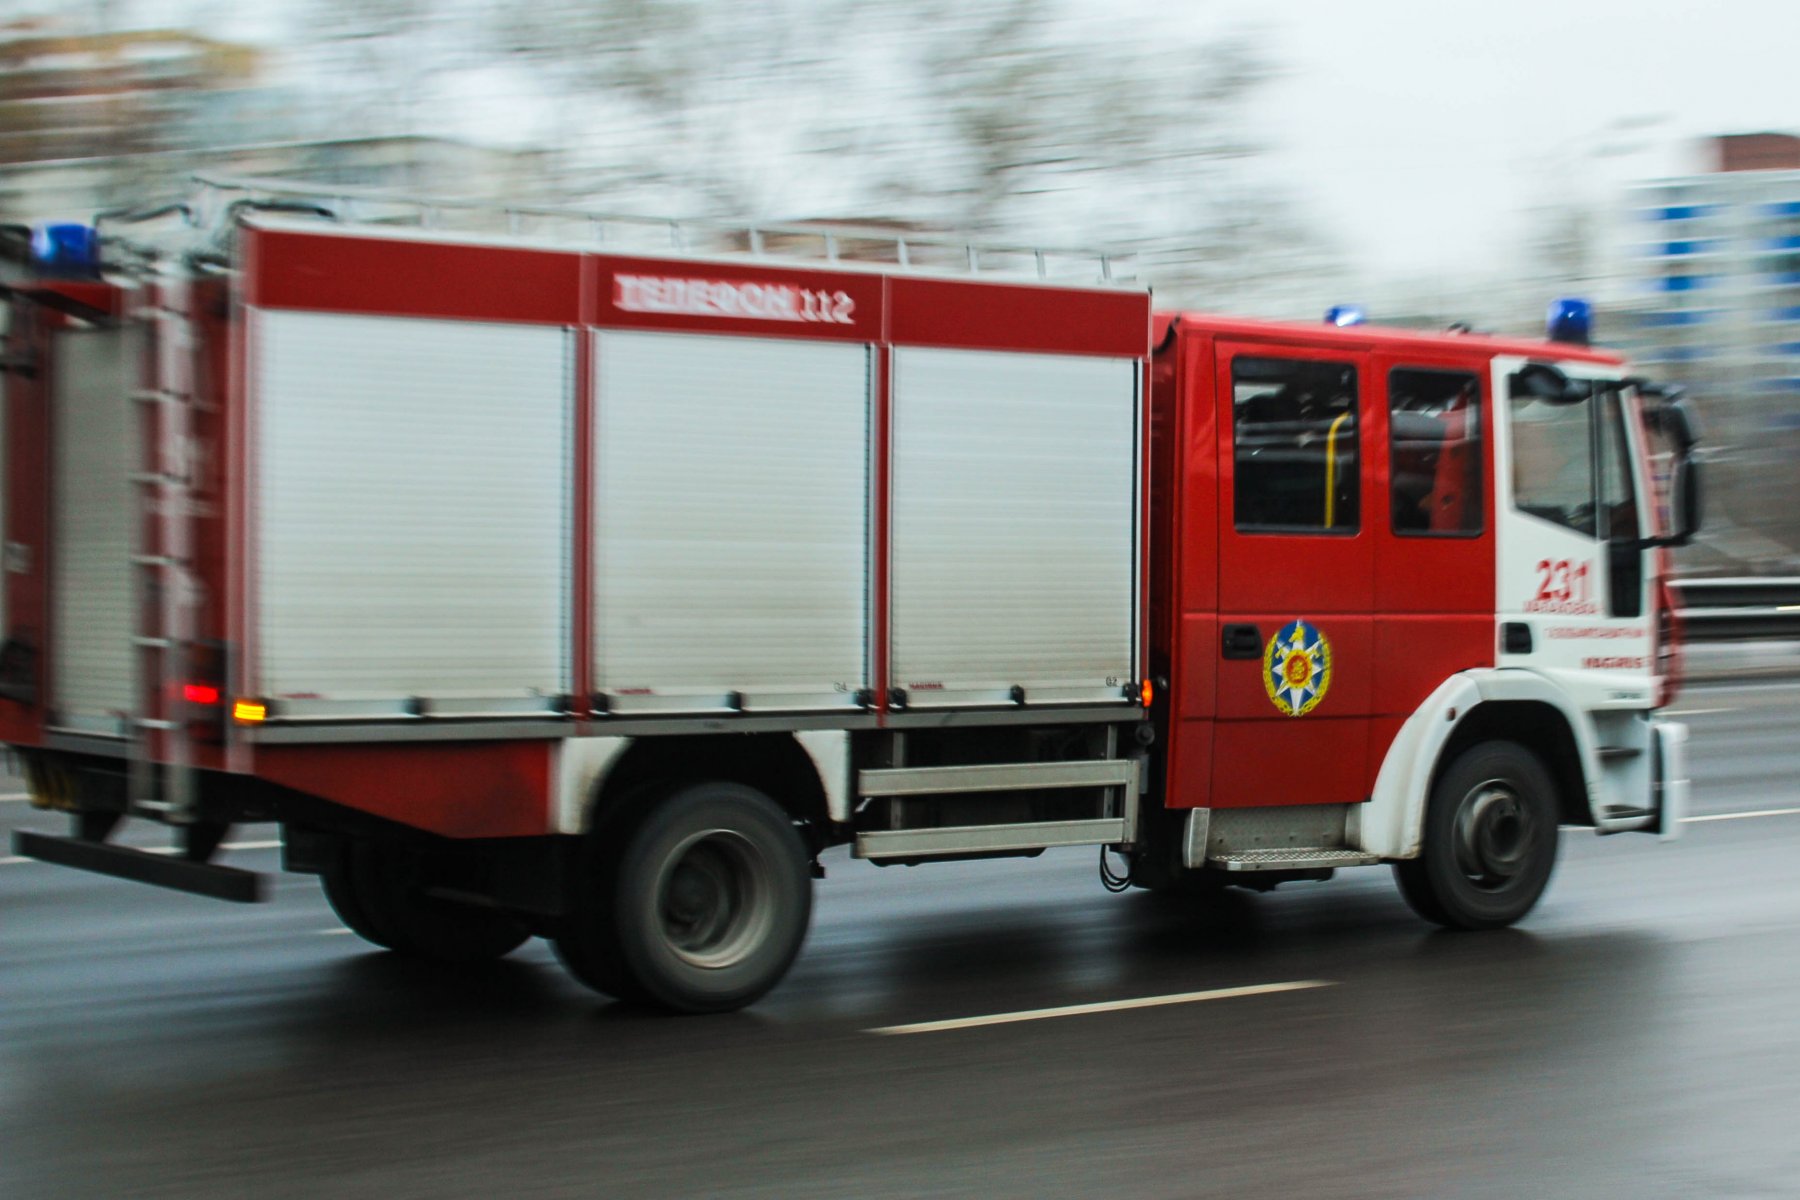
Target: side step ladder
[160, 778]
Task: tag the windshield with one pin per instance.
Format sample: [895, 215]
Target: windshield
[1571, 459]
[1553, 457]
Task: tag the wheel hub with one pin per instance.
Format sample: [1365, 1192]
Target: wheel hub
[1493, 834]
[713, 902]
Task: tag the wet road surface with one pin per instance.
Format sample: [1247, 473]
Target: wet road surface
[1637, 1035]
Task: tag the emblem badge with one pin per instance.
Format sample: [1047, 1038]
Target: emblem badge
[1297, 668]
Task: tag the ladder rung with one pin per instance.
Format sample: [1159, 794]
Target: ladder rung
[154, 723]
[157, 396]
[153, 643]
[154, 560]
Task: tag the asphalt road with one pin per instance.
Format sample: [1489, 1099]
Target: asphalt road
[1638, 1035]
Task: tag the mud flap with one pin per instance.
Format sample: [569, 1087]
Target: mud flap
[1669, 777]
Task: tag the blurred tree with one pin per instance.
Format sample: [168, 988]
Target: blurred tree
[1039, 120]
[1013, 117]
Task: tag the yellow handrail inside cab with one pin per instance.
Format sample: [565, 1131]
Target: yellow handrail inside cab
[1331, 471]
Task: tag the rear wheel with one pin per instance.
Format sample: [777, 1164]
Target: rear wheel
[701, 906]
[1490, 840]
[377, 891]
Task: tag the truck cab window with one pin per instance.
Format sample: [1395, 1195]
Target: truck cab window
[1434, 423]
[1295, 446]
[1553, 460]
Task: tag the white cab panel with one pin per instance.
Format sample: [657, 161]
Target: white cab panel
[731, 522]
[92, 506]
[1553, 579]
[413, 509]
[1015, 501]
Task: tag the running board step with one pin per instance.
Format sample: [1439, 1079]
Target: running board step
[142, 866]
[1300, 858]
[984, 839]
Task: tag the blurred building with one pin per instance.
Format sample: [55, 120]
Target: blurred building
[66, 95]
[95, 121]
[1719, 312]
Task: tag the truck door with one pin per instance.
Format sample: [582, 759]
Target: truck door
[1296, 577]
[1433, 531]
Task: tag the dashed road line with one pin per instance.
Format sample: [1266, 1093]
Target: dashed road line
[1741, 816]
[1103, 1006]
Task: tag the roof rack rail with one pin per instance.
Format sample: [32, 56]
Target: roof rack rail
[223, 196]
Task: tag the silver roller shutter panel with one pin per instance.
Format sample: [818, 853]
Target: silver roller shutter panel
[413, 512]
[1015, 504]
[731, 521]
[92, 507]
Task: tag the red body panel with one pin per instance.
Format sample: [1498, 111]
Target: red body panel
[353, 273]
[938, 312]
[458, 789]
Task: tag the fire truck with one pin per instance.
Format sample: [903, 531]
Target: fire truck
[551, 574]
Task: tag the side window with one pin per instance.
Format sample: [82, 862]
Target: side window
[1434, 423]
[1295, 446]
[1618, 498]
[1553, 461]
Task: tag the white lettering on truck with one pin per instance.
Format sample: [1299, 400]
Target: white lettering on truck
[718, 298]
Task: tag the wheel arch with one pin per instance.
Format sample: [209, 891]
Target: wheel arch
[777, 764]
[1472, 707]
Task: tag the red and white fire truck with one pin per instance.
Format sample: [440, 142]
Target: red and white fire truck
[542, 582]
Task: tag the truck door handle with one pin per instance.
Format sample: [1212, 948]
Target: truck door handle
[1242, 641]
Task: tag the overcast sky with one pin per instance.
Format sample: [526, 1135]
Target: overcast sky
[1419, 133]
[1424, 130]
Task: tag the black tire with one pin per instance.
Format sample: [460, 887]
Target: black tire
[701, 906]
[339, 884]
[1490, 840]
[375, 891]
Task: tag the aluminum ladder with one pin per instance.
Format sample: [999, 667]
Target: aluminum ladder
[160, 774]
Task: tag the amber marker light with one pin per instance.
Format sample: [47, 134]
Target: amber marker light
[249, 711]
[1147, 692]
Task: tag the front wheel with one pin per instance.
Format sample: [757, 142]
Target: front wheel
[1490, 840]
[701, 908]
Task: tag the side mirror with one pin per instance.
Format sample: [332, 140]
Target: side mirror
[1675, 421]
[1687, 500]
[1684, 501]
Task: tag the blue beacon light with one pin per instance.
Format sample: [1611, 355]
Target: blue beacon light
[1570, 320]
[66, 248]
[1342, 315]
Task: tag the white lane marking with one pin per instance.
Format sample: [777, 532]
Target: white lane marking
[1078, 1010]
[1742, 816]
[16, 859]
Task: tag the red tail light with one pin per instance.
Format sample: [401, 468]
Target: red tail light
[200, 693]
